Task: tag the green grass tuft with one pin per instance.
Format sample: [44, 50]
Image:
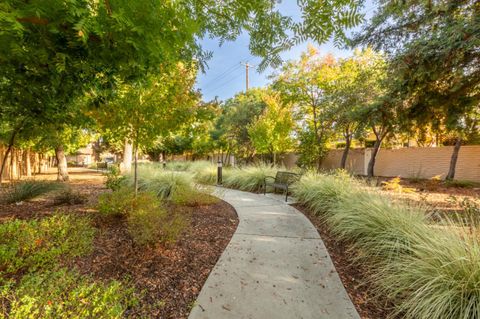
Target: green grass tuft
[26, 190]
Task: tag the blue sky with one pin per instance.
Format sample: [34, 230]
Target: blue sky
[225, 75]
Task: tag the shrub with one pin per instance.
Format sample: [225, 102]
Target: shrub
[70, 197]
[114, 178]
[248, 178]
[30, 189]
[34, 244]
[198, 195]
[65, 294]
[116, 203]
[148, 222]
[395, 186]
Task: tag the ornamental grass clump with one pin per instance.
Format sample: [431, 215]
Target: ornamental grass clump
[26, 190]
[248, 178]
[439, 277]
[161, 182]
[376, 226]
[428, 271]
[205, 172]
[319, 192]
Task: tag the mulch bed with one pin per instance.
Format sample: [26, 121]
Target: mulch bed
[353, 276]
[167, 277]
[170, 276]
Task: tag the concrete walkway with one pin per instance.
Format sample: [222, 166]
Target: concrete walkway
[276, 266]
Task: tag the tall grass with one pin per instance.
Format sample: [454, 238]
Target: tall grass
[248, 178]
[428, 271]
[161, 182]
[320, 192]
[205, 172]
[26, 190]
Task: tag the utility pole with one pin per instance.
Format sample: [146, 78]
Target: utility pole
[246, 74]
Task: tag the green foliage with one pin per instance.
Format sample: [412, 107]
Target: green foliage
[70, 197]
[148, 221]
[238, 114]
[64, 294]
[248, 178]
[200, 195]
[35, 244]
[148, 224]
[304, 83]
[271, 131]
[114, 178]
[429, 271]
[118, 203]
[26, 190]
[164, 184]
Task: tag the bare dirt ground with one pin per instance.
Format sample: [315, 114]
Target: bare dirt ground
[167, 277]
[433, 195]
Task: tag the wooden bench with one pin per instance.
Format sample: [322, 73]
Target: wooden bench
[282, 180]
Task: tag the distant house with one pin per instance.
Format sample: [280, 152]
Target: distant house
[83, 157]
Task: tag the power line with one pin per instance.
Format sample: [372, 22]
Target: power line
[225, 83]
[223, 74]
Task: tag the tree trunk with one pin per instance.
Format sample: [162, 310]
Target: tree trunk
[135, 176]
[343, 162]
[62, 175]
[9, 149]
[127, 157]
[13, 165]
[453, 160]
[371, 163]
[28, 163]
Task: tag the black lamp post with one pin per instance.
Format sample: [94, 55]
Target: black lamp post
[219, 172]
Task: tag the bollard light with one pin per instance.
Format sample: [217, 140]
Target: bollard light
[219, 172]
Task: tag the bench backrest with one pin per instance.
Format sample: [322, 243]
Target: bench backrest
[286, 178]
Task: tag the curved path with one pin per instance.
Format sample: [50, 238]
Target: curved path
[275, 266]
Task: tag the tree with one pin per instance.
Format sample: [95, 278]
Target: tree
[306, 84]
[238, 114]
[143, 111]
[52, 52]
[271, 132]
[433, 47]
[357, 85]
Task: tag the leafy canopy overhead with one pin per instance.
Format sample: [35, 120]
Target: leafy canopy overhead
[434, 50]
